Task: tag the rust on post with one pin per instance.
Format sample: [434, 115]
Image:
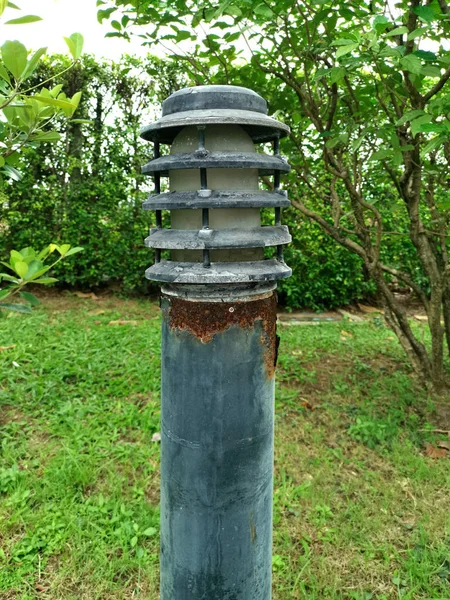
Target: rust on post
[206, 319]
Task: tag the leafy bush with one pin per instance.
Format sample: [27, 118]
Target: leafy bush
[87, 188]
[324, 275]
[25, 267]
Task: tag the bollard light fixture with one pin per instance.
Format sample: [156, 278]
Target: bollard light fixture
[219, 342]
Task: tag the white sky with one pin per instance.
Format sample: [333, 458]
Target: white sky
[62, 18]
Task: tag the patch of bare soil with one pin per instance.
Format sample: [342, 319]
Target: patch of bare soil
[316, 377]
[9, 414]
[320, 375]
[441, 415]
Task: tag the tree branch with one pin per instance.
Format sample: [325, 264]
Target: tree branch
[438, 87]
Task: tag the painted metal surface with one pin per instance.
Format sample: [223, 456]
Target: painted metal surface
[215, 105]
[205, 97]
[218, 272]
[218, 361]
[217, 199]
[198, 239]
[266, 164]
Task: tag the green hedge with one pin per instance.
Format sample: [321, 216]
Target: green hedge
[87, 190]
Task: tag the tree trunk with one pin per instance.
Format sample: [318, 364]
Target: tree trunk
[446, 315]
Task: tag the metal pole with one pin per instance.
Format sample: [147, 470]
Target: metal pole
[218, 363]
[219, 342]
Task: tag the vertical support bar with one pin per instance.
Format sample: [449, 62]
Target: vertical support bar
[280, 249]
[203, 180]
[217, 448]
[277, 174]
[205, 218]
[280, 254]
[278, 215]
[276, 145]
[201, 138]
[276, 186]
[206, 259]
[204, 186]
[158, 213]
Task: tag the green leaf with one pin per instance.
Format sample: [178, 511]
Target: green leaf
[5, 292]
[417, 123]
[182, 35]
[337, 74]
[150, 531]
[134, 541]
[233, 11]
[7, 277]
[23, 20]
[426, 13]
[431, 71]
[82, 121]
[54, 102]
[4, 74]
[74, 251]
[63, 249]
[409, 116]
[417, 33]
[12, 173]
[425, 55]
[382, 154]
[75, 44]
[356, 144]
[264, 11]
[388, 51]
[33, 62]
[36, 268]
[342, 50]
[411, 63]
[15, 57]
[43, 253]
[20, 308]
[397, 31]
[28, 251]
[47, 136]
[45, 280]
[433, 128]
[75, 100]
[15, 257]
[30, 298]
[380, 23]
[54, 92]
[21, 268]
[342, 42]
[333, 142]
[3, 4]
[105, 13]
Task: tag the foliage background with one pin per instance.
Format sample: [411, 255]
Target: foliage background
[87, 189]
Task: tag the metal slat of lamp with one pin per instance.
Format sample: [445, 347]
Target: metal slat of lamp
[219, 341]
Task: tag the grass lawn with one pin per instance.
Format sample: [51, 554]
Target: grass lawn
[360, 511]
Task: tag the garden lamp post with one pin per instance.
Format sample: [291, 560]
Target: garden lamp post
[219, 342]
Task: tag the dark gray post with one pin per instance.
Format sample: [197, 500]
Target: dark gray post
[219, 342]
